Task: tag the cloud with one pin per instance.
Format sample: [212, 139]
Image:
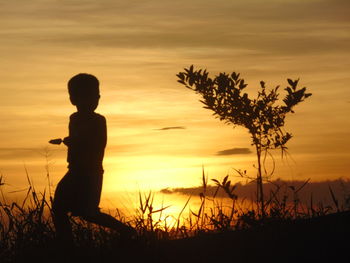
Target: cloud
[278, 27]
[171, 128]
[320, 191]
[234, 151]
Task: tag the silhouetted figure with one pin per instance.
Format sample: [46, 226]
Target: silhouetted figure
[79, 190]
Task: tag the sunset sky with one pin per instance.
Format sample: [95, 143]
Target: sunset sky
[136, 48]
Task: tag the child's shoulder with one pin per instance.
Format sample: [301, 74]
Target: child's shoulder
[93, 115]
[99, 120]
[73, 115]
[99, 117]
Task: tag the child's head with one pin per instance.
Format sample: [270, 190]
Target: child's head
[84, 92]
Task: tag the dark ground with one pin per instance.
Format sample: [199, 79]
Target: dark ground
[321, 239]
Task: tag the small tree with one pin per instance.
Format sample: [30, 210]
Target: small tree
[262, 116]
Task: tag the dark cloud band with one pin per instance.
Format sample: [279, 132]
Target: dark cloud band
[171, 128]
[234, 151]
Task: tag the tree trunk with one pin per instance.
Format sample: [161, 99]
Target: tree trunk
[259, 181]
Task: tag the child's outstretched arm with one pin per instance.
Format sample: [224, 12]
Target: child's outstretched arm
[66, 141]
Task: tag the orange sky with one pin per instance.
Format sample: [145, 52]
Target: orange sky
[136, 48]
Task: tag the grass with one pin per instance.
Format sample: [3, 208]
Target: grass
[27, 232]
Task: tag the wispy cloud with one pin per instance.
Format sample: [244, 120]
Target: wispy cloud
[234, 151]
[171, 128]
[166, 24]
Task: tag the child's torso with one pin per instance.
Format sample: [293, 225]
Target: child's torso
[88, 138]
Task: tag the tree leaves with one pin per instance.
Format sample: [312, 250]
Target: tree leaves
[262, 116]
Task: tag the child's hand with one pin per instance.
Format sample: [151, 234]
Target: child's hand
[56, 141]
[66, 141]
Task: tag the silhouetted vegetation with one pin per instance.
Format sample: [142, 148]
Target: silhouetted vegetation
[27, 231]
[263, 116]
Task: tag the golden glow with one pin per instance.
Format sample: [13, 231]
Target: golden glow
[172, 209]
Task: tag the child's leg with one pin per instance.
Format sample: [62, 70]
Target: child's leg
[62, 225]
[110, 222]
[60, 211]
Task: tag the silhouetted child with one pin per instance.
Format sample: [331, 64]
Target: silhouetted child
[79, 190]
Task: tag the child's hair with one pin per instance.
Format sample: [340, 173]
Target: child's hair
[83, 84]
